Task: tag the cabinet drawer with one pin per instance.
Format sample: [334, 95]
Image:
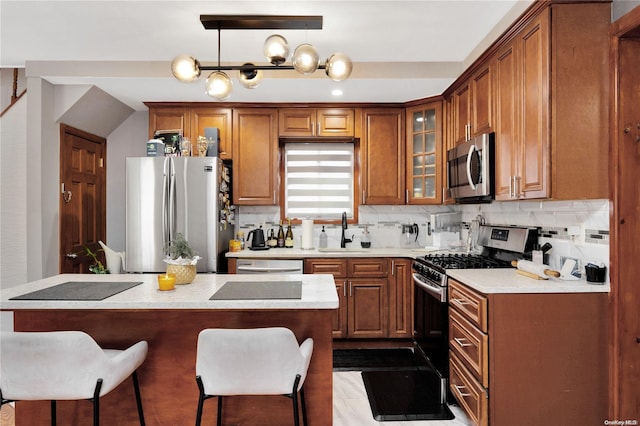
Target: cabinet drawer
[337, 267]
[470, 345]
[471, 396]
[472, 305]
[363, 268]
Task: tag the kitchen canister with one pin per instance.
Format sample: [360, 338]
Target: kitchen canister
[307, 234]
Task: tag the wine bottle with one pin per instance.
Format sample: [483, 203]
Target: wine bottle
[280, 236]
[288, 241]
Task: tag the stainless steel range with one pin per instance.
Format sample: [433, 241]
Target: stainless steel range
[496, 246]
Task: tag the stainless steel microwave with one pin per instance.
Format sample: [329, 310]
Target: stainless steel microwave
[470, 168]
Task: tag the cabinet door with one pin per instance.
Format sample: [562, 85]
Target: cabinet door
[296, 121]
[169, 118]
[461, 105]
[448, 142]
[213, 117]
[363, 268]
[507, 121]
[401, 299]
[368, 307]
[383, 159]
[255, 156]
[424, 154]
[340, 314]
[481, 101]
[533, 167]
[335, 122]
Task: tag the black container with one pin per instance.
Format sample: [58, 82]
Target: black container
[595, 273]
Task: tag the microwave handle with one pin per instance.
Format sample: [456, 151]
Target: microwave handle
[471, 184]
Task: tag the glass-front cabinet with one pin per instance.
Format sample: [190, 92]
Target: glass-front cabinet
[424, 154]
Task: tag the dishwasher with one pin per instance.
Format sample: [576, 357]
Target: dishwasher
[269, 266]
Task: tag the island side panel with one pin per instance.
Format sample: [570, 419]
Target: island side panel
[167, 377]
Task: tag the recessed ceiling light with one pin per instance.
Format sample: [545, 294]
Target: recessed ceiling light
[336, 92]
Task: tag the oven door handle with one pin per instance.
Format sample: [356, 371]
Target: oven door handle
[433, 289]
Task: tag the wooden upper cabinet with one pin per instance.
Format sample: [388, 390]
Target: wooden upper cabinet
[473, 106]
[424, 180]
[551, 103]
[382, 158]
[316, 122]
[169, 118]
[255, 156]
[202, 117]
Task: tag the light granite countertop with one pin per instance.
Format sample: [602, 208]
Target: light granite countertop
[318, 292]
[490, 281]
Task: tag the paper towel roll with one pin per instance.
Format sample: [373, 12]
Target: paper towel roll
[307, 233]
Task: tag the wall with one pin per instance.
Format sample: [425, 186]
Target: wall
[128, 140]
[555, 220]
[621, 7]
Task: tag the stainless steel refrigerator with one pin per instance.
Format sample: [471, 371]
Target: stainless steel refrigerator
[170, 195]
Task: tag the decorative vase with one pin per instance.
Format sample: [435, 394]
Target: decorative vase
[185, 274]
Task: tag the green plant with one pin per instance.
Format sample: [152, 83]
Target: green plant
[179, 247]
[98, 266]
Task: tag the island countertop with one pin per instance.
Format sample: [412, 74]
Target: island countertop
[318, 292]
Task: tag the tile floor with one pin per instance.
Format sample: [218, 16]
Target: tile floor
[351, 406]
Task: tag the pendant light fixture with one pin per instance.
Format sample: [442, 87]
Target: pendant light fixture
[305, 59]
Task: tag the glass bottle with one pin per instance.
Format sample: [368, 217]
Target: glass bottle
[288, 241]
[272, 241]
[280, 236]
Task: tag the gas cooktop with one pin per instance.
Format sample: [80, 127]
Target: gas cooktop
[464, 261]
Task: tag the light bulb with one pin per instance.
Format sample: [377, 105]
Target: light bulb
[276, 49]
[218, 85]
[185, 68]
[338, 67]
[250, 77]
[305, 59]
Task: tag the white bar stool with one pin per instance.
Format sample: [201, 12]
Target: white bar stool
[258, 361]
[65, 365]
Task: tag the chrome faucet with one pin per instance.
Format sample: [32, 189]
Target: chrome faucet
[344, 240]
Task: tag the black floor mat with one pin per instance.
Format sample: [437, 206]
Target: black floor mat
[400, 384]
[375, 359]
[399, 395]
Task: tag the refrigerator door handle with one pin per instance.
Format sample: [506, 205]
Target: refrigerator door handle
[172, 200]
[165, 200]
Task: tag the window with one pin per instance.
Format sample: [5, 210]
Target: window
[319, 180]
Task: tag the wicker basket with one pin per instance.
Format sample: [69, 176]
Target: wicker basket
[184, 273]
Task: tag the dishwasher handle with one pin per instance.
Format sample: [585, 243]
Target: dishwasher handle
[267, 270]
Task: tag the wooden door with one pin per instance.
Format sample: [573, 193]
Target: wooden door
[384, 168]
[482, 103]
[625, 221]
[82, 198]
[220, 118]
[533, 164]
[461, 102]
[340, 314]
[506, 123]
[368, 307]
[169, 118]
[255, 156]
[296, 121]
[401, 299]
[335, 122]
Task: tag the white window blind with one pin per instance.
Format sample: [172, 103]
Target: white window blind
[318, 179]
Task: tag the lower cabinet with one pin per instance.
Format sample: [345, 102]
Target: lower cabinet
[528, 359]
[371, 305]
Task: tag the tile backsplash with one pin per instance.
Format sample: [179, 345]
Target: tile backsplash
[578, 228]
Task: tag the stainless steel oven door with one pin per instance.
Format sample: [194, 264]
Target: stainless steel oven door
[433, 289]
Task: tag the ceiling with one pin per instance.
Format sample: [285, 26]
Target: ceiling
[401, 50]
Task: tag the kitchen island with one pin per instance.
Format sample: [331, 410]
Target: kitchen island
[170, 322]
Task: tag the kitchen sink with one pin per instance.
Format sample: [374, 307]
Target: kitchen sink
[341, 250]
